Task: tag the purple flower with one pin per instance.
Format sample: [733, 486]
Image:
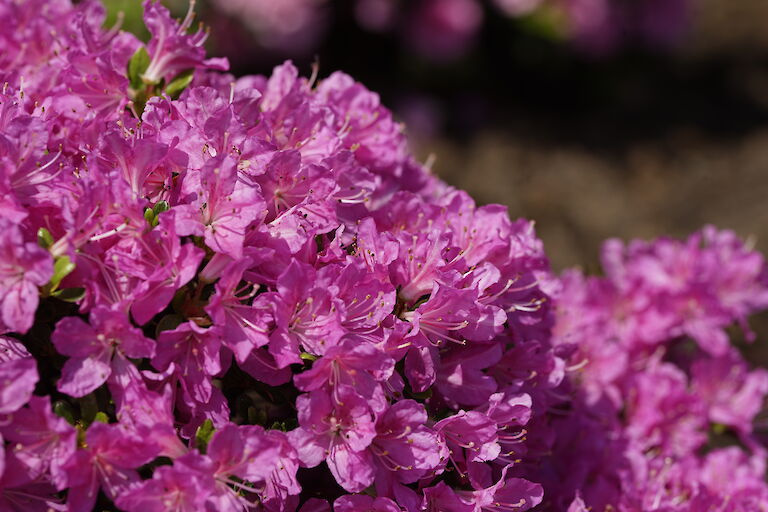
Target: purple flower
[349, 367]
[24, 489]
[305, 315]
[405, 449]
[171, 48]
[167, 265]
[508, 493]
[223, 209]
[18, 375]
[339, 433]
[242, 325]
[109, 462]
[662, 413]
[195, 355]
[42, 441]
[183, 487]
[441, 498]
[733, 394]
[362, 503]
[471, 437]
[91, 348]
[25, 266]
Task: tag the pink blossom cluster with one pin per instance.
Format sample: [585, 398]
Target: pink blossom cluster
[664, 407]
[245, 294]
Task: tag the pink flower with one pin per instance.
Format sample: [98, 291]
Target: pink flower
[91, 348]
[18, 375]
[195, 355]
[363, 503]
[339, 433]
[508, 493]
[24, 266]
[42, 441]
[108, 462]
[223, 209]
[173, 50]
[183, 487]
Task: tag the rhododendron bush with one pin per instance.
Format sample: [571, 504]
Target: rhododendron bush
[245, 294]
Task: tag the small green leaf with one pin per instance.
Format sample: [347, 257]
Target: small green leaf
[44, 238]
[101, 417]
[424, 395]
[149, 215]
[89, 407]
[160, 207]
[179, 83]
[168, 323]
[306, 356]
[203, 435]
[61, 269]
[69, 294]
[137, 66]
[64, 410]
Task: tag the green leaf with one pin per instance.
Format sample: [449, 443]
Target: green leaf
[306, 356]
[160, 207]
[89, 407]
[203, 435]
[44, 238]
[168, 323]
[64, 410]
[61, 269]
[137, 66]
[101, 417]
[424, 395]
[69, 294]
[179, 83]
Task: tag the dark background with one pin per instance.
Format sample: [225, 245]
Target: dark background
[635, 142]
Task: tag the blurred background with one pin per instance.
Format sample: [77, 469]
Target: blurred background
[596, 118]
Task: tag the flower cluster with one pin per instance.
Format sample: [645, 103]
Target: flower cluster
[664, 406]
[245, 294]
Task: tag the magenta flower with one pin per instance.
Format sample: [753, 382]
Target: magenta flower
[183, 487]
[245, 452]
[441, 498]
[193, 353]
[460, 377]
[18, 373]
[42, 441]
[223, 209]
[108, 462]
[471, 437]
[23, 489]
[92, 348]
[363, 503]
[305, 315]
[24, 267]
[405, 449]
[349, 367]
[339, 433]
[165, 265]
[243, 326]
[508, 494]
[172, 50]
[396, 347]
[733, 394]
